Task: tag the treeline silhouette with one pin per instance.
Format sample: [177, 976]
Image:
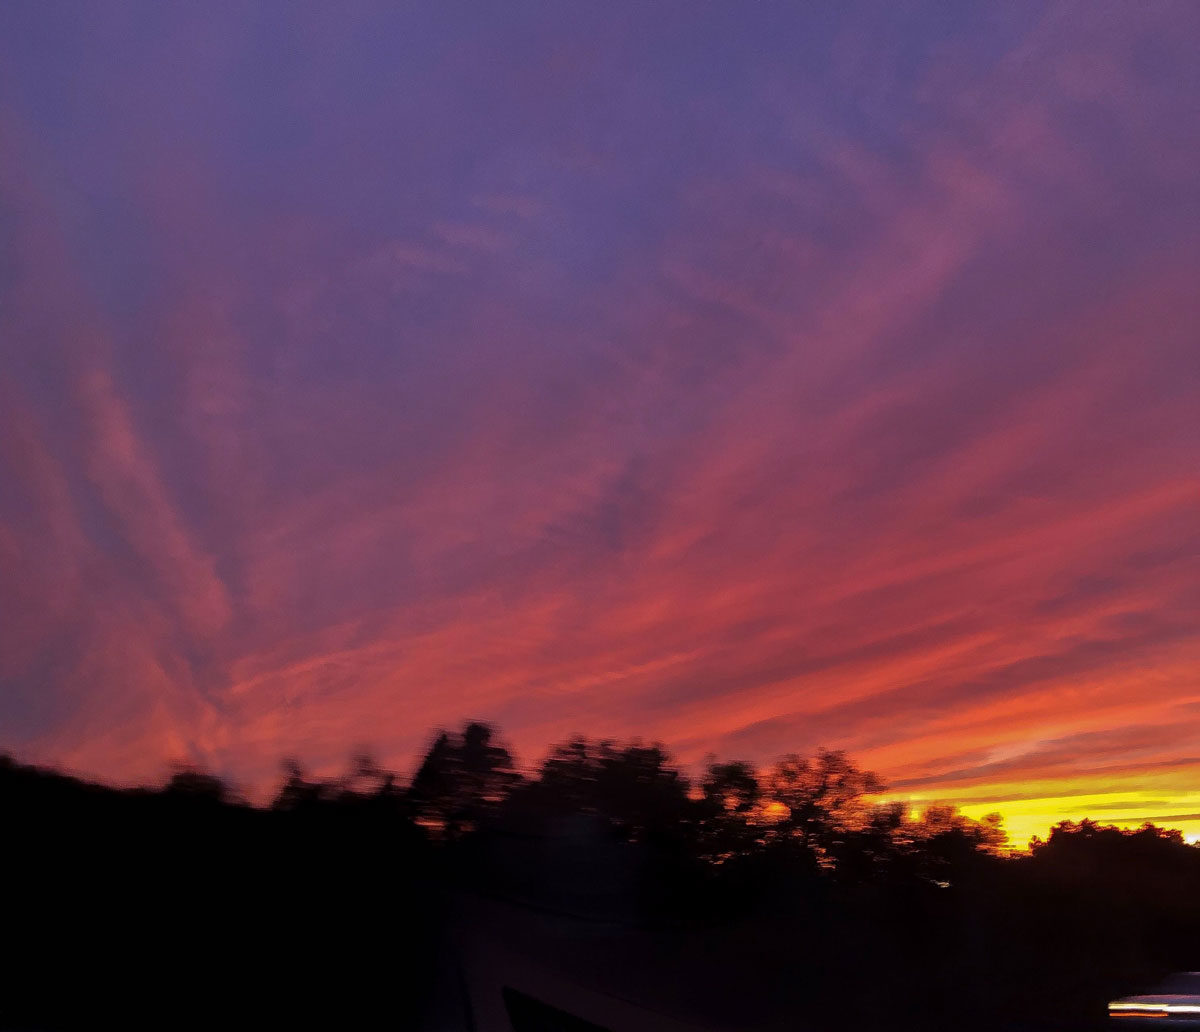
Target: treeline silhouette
[183, 906]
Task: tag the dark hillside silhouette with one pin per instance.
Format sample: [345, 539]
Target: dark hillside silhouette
[788, 897]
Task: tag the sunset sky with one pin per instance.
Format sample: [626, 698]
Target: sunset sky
[752, 377]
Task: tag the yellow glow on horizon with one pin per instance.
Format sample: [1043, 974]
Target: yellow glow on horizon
[1127, 800]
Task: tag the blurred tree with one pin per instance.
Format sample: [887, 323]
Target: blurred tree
[298, 792]
[633, 787]
[193, 783]
[731, 818]
[818, 800]
[949, 844]
[1093, 912]
[878, 848]
[462, 780]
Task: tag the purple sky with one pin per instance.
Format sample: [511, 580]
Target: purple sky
[749, 376]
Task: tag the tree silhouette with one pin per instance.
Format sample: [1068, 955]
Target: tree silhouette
[731, 814]
[819, 800]
[632, 787]
[462, 780]
[272, 914]
[193, 783]
[298, 792]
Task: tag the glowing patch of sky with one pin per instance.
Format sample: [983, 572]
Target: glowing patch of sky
[754, 379]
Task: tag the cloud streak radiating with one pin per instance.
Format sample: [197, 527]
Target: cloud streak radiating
[753, 380]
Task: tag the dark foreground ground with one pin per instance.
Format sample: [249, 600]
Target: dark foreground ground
[178, 909]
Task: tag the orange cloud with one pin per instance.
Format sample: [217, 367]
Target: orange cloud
[869, 429]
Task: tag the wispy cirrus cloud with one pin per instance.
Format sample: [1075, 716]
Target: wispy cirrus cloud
[820, 378]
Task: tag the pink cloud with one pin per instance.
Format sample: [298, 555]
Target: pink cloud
[872, 436]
